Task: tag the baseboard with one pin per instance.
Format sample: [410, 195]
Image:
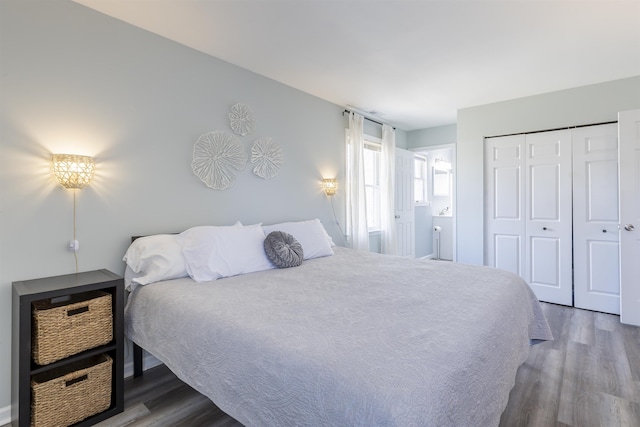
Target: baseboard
[148, 362]
[430, 256]
[5, 415]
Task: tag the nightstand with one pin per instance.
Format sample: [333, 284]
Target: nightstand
[27, 296]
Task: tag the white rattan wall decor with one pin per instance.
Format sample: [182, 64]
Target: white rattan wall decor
[216, 158]
[266, 155]
[242, 120]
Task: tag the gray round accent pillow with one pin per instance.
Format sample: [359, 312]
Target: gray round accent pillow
[283, 250]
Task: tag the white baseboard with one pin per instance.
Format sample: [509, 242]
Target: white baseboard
[430, 256]
[5, 415]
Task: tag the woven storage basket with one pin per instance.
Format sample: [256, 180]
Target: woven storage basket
[61, 329]
[69, 394]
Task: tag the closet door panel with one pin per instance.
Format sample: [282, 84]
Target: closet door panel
[601, 177]
[603, 275]
[504, 208]
[507, 253]
[545, 261]
[548, 265]
[545, 192]
[507, 189]
[595, 218]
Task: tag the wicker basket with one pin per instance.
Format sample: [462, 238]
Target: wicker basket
[61, 329]
[69, 394]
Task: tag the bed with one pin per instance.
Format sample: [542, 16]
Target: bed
[344, 339]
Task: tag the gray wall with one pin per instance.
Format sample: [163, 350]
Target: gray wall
[74, 80]
[438, 135]
[583, 105]
[374, 129]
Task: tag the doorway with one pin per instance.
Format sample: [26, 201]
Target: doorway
[435, 216]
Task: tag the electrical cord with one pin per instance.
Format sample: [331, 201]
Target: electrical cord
[335, 217]
[75, 252]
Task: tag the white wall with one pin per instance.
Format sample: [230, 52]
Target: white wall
[74, 80]
[583, 105]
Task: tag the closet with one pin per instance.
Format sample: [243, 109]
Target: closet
[552, 213]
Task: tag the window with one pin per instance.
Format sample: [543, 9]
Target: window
[420, 179]
[372, 184]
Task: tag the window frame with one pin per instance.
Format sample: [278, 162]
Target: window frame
[425, 179]
[374, 144]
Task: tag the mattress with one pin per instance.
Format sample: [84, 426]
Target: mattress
[354, 339]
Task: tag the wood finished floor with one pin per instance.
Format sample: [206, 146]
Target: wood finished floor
[589, 376]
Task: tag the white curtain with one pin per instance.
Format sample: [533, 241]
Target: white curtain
[356, 197]
[387, 191]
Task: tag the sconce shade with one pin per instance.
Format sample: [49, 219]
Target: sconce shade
[73, 171]
[329, 186]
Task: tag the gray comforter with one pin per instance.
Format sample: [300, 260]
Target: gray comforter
[355, 339]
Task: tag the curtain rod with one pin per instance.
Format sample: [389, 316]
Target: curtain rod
[367, 118]
[554, 129]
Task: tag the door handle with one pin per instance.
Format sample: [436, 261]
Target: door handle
[629, 227]
[397, 216]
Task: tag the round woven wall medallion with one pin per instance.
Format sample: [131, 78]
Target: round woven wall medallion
[266, 155]
[242, 120]
[216, 158]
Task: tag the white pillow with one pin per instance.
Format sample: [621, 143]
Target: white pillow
[129, 277]
[311, 234]
[154, 258]
[212, 252]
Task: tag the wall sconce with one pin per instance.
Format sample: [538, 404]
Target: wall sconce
[329, 186]
[73, 171]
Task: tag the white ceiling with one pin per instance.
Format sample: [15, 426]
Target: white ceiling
[412, 63]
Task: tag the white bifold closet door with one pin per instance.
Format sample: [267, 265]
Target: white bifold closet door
[528, 218]
[505, 203]
[548, 216]
[596, 247]
[552, 213]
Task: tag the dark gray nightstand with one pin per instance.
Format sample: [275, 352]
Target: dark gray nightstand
[24, 294]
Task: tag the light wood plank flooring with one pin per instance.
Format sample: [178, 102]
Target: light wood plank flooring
[589, 376]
